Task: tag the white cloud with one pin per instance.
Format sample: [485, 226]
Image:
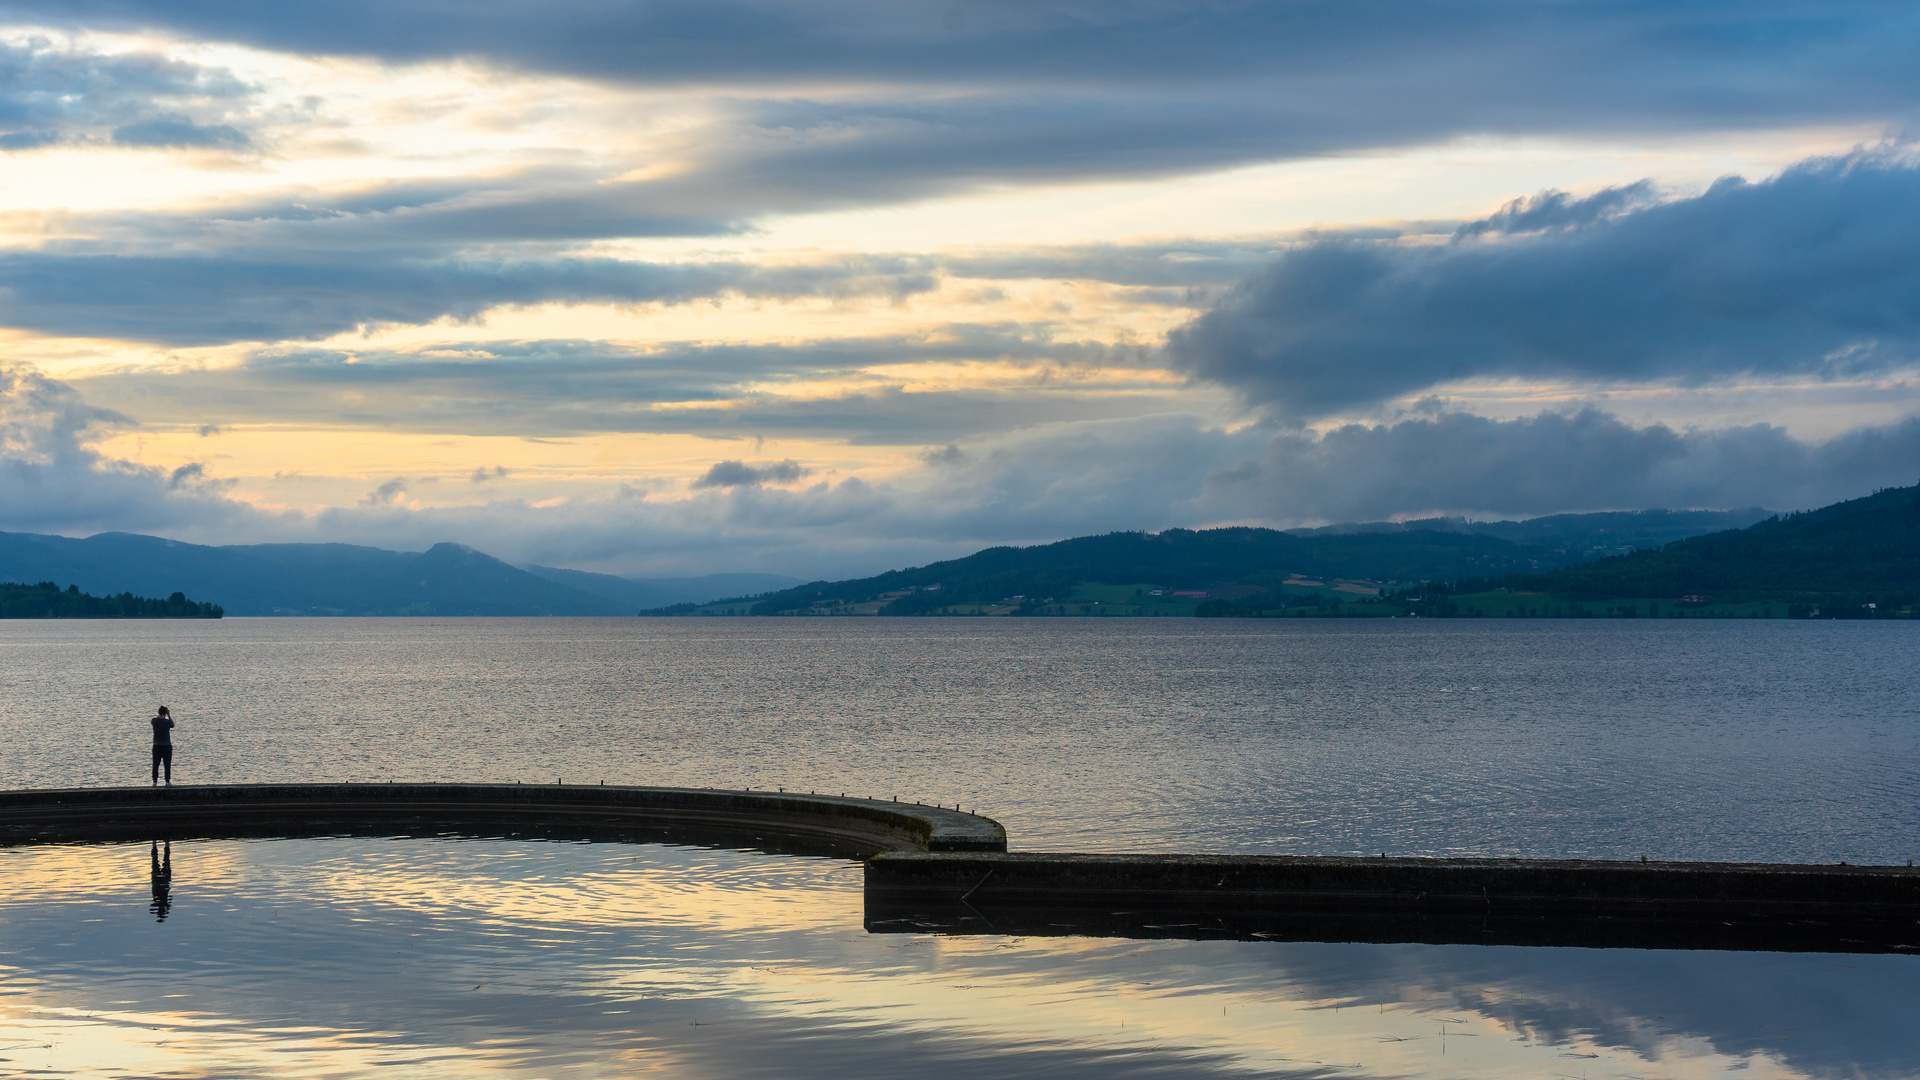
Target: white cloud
[52, 479]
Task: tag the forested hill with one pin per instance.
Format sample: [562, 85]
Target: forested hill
[47, 601]
[1839, 559]
[1585, 535]
[1176, 558]
[1864, 551]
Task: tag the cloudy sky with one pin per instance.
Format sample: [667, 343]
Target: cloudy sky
[826, 288]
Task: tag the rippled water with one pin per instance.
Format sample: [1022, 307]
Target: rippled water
[1714, 740]
[471, 958]
[459, 958]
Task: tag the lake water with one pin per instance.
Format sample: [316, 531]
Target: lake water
[454, 959]
[1783, 741]
[421, 957]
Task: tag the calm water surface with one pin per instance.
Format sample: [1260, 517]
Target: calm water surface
[418, 957]
[453, 959]
[1613, 739]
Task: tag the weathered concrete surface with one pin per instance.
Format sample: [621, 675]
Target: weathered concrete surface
[141, 813]
[1545, 902]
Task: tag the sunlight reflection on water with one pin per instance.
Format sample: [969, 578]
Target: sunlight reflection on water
[470, 958]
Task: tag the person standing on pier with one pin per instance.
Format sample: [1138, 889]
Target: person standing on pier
[162, 745]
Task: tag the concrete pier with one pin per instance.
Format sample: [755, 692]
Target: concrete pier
[1436, 901]
[931, 869]
[826, 823]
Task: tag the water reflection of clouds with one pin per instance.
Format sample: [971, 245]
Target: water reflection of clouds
[341, 956]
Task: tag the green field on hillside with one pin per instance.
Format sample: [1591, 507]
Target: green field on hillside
[1502, 604]
[1097, 600]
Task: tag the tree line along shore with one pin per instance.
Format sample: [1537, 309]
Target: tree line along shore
[48, 601]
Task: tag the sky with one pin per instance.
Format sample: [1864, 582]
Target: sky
[830, 288]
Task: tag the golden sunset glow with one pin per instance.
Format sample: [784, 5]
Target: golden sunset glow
[366, 262]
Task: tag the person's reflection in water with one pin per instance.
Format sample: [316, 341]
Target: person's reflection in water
[162, 881]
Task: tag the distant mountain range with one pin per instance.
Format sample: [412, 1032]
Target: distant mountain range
[1587, 535]
[1173, 571]
[634, 594]
[344, 579]
[1863, 551]
[1862, 555]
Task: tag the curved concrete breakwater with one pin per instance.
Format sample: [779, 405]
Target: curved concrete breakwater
[933, 869]
[783, 821]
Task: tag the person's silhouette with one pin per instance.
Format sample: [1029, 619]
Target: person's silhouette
[162, 881]
[162, 744]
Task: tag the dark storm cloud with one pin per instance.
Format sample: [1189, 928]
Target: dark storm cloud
[890, 416]
[299, 272]
[857, 151]
[420, 218]
[28, 140]
[785, 41]
[732, 474]
[175, 129]
[908, 103]
[1457, 463]
[978, 91]
[426, 217]
[50, 95]
[555, 389]
[885, 103]
[1556, 210]
[1657, 51]
[210, 300]
[1813, 273]
[1181, 264]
